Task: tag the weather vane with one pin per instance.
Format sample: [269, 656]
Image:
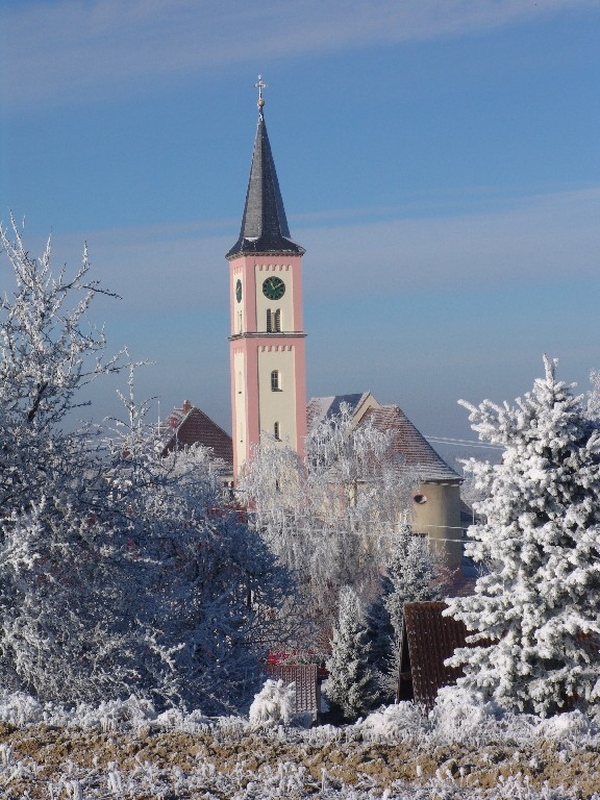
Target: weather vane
[260, 86]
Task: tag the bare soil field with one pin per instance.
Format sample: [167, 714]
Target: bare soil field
[43, 761]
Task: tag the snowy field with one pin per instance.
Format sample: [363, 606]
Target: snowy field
[125, 750]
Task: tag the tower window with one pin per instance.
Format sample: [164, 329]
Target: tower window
[275, 381]
[273, 321]
[276, 431]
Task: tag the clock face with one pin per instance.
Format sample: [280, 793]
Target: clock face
[238, 291]
[273, 288]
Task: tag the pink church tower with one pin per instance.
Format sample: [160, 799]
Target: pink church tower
[267, 342]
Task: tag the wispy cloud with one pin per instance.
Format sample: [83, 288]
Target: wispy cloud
[550, 239]
[546, 239]
[508, 261]
[64, 51]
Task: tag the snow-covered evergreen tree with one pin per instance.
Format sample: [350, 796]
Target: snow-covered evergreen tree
[593, 404]
[414, 573]
[535, 614]
[351, 686]
[380, 634]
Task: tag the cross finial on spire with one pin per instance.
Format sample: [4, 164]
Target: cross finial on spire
[260, 86]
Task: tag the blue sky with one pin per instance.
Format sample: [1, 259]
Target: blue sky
[439, 160]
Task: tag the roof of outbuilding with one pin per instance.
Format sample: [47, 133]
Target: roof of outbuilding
[264, 224]
[428, 639]
[408, 442]
[189, 425]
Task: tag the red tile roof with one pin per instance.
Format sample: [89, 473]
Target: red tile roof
[410, 444]
[188, 425]
[428, 639]
[305, 679]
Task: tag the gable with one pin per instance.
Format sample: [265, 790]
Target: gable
[191, 426]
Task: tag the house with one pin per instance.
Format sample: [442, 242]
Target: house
[187, 426]
[436, 505]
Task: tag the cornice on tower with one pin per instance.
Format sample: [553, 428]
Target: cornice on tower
[264, 223]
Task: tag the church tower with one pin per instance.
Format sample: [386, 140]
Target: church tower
[266, 345]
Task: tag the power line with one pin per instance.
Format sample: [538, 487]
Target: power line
[463, 442]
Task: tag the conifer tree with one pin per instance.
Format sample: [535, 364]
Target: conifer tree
[413, 576]
[351, 687]
[413, 571]
[379, 626]
[535, 614]
[380, 633]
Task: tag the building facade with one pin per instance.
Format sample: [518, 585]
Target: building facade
[267, 348]
[268, 363]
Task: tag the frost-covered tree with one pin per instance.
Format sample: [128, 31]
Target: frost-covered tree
[48, 353]
[54, 551]
[120, 571]
[351, 687]
[330, 518]
[206, 588]
[359, 488]
[415, 574]
[380, 634]
[593, 404]
[535, 614]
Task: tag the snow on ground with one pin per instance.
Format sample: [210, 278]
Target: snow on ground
[127, 750]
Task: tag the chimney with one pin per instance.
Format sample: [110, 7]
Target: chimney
[187, 407]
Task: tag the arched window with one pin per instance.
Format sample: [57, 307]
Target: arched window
[275, 381]
[273, 321]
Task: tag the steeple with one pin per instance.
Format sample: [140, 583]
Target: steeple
[267, 342]
[264, 224]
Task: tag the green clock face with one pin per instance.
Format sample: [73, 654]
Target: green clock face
[273, 288]
[238, 291]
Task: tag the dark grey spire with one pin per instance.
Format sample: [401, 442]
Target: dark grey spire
[264, 224]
